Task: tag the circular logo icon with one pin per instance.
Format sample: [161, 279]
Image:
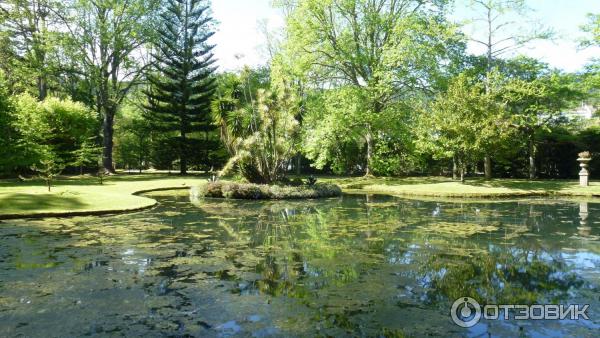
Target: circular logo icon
[465, 312]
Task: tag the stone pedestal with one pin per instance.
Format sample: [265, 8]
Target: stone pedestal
[584, 174]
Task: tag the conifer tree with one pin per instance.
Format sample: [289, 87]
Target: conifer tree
[181, 85]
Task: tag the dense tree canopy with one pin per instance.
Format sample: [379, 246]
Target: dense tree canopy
[364, 87]
[366, 57]
[460, 123]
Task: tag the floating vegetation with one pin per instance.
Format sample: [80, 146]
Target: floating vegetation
[381, 204]
[457, 229]
[513, 231]
[371, 265]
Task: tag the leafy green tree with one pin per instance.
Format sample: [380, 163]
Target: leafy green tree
[499, 30]
[182, 83]
[33, 30]
[459, 122]
[591, 74]
[537, 105]
[53, 126]
[87, 155]
[48, 168]
[9, 135]
[592, 28]
[72, 125]
[380, 51]
[331, 130]
[590, 85]
[12, 68]
[33, 129]
[133, 138]
[109, 39]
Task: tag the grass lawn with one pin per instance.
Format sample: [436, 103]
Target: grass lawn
[74, 195]
[444, 187]
[80, 195]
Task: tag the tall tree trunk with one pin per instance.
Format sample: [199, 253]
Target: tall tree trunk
[206, 151]
[532, 150]
[487, 167]
[183, 155]
[42, 87]
[487, 160]
[369, 140]
[298, 164]
[107, 140]
[454, 169]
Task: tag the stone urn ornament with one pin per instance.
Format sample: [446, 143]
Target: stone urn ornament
[584, 175]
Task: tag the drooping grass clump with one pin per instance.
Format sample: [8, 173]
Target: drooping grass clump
[222, 189]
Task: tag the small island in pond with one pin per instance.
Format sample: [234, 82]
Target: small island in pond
[237, 190]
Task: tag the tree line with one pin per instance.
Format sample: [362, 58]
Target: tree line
[365, 87]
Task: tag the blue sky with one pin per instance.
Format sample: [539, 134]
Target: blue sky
[239, 40]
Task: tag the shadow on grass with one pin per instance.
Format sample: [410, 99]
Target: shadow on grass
[150, 177]
[27, 202]
[94, 181]
[361, 181]
[534, 185]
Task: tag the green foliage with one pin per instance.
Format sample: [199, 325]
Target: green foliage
[460, 123]
[109, 40]
[345, 89]
[133, 138]
[329, 135]
[257, 124]
[60, 127]
[221, 189]
[87, 155]
[164, 152]
[48, 169]
[369, 55]
[592, 28]
[8, 133]
[264, 146]
[182, 84]
[233, 103]
[538, 102]
[33, 31]
[590, 84]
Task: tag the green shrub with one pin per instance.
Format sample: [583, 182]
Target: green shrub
[211, 189]
[56, 126]
[245, 191]
[9, 135]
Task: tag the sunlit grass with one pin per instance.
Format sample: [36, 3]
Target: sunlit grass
[85, 194]
[445, 187]
[79, 194]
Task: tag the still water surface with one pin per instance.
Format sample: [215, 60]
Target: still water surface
[352, 266]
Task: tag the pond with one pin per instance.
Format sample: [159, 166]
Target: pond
[358, 265]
